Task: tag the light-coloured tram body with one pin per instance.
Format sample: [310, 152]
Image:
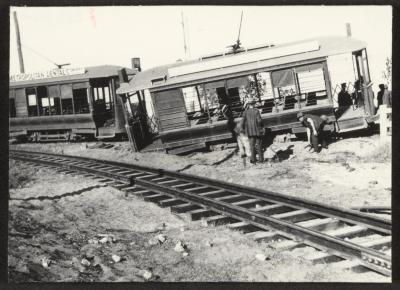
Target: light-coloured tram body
[67, 104]
[184, 100]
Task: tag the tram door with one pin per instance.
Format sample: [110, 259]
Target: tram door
[138, 119]
[363, 84]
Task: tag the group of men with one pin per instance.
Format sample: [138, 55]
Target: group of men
[345, 99]
[249, 131]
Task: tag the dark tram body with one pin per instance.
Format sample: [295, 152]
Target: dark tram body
[184, 101]
[67, 104]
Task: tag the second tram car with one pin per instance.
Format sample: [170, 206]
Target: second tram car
[67, 104]
[185, 101]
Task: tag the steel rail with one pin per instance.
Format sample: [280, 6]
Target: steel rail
[376, 223]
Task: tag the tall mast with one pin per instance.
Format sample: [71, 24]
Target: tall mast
[21, 59]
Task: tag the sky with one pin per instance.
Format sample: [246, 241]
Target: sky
[88, 36]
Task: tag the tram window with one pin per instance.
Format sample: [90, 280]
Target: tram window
[108, 98]
[311, 83]
[67, 106]
[66, 99]
[81, 104]
[192, 99]
[103, 93]
[311, 80]
[134, 106]
[365, 66]
[43, 101]
[100, 93]
[238, 89]
[32, 102]
[283, 82]
[265, 86]
[13, 112]
[210, 95]
[54, 96]
[362, 66]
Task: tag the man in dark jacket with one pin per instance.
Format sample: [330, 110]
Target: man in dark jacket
[252, 125]
[380, 94]
[315, 126]
[344, 98]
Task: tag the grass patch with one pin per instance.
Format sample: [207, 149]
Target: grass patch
[19, 175]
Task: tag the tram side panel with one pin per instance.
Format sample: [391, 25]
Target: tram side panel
[69, 111]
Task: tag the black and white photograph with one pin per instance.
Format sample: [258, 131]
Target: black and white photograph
[200, 144]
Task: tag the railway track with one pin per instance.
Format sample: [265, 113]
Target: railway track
[346, 237]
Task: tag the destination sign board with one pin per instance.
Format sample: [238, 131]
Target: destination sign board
[47, 74]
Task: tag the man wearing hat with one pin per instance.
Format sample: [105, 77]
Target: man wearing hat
[344, 98]
[252, 126]
[315, 126]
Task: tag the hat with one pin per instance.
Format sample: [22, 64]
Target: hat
[299, 115]
[124, 88]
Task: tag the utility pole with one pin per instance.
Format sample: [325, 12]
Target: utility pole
[21, 59]
[184, 36]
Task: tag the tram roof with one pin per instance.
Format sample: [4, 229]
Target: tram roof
[252, 58]
[91, 72]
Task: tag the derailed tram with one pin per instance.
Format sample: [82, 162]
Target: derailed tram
[184, 102]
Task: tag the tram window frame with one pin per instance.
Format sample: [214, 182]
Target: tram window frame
[43, 101]
[81, 102]
[192, 99]
[103, 92]
[318, 94]
[55, 100]
[67, 104]
[31, 102]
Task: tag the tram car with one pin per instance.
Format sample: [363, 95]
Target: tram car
[67, 104]
[186, 100]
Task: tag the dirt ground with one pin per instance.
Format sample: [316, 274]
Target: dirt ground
[61, 217]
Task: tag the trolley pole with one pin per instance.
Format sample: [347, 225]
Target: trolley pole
[21, 59]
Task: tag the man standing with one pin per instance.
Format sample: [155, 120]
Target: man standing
[242, 140]
[315, 126]
[344, 98]
[380, 94]
[252, 125]
[387, 97]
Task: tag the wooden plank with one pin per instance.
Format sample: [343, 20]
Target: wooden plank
[220, 220]
[186, 149]
[243, 227]
[170, 202]
[247, 203]
[155, 197]
[346, 231]
[182, 208]
[201, 213]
